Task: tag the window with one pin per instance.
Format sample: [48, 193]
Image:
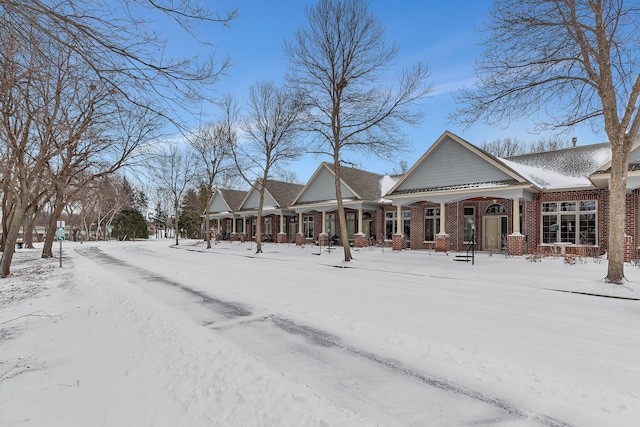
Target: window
[469, 224]
[431, 224]
[573, 222]
[351, 224]
[307, 226]
[268, 226]
[496, 208]
[331, 225]
[390, 224]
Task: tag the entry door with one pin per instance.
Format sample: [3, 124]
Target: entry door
[492, 233]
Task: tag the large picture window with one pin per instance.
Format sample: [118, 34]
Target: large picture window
[431, 224]
[573, 222]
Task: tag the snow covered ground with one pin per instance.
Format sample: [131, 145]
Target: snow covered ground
[145, 334]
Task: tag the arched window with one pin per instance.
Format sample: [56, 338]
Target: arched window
[495, 208]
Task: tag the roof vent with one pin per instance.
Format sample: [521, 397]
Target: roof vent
[574, 140]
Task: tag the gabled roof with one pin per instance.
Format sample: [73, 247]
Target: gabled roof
[233, 198]
[279, 193]
[451, 164]
[359, 184]
[226, 200]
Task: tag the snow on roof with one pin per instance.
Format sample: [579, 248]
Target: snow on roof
[545, 178]
[387, 182]
[568, 168]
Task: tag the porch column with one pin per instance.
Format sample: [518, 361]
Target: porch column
[515, 240]
[360, 240]
[443, 241]
[281, 237]
[516, 216]
[324, 222]
[323, 239]
[300, 240]
[398, 242]
[234, 232]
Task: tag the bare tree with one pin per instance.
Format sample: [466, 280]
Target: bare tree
[505, 147]
[271, 126]
[175, 171]
[339, 62]
[117, 39]
[40, 94]
[213, 144]
[577, 60]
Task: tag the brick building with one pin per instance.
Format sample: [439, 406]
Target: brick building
[456, 194]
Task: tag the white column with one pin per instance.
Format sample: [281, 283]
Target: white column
[398, 219]
[443, 216]
[233, 225]
[281, 222]
[360, 221]
[300, 223]
[324, 222]
[516, 216]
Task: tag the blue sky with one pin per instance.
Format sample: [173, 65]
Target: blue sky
[441, 33]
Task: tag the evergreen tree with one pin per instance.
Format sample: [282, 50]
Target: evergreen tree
[129, 224]
[190, 210]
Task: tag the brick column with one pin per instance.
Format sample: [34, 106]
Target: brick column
[300, 239]
[515, 244]
[399, 242]
[443, 242]
[281, 238]
[323, 239]
[360, 240]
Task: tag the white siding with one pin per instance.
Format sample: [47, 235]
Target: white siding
[323, 188]
[452, 164]
[218, 204]
[253, 201]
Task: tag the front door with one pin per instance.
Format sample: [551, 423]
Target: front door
[493, 231]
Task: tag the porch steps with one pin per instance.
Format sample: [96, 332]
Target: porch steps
[462, 258]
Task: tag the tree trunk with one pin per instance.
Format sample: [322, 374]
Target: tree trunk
[620, 152]
[207, 228]
[47, 249]
[28, 230]
[13, 230]
[344, 237]
[175, 223]
[259, 221]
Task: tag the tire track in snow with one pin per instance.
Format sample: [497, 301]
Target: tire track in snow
[238, 315]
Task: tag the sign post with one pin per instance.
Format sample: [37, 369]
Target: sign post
[60, 237]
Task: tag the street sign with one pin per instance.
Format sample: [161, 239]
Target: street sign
[60, 233]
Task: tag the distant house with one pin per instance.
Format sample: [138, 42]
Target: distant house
[362, 193]
[222, 210]
[234, 212]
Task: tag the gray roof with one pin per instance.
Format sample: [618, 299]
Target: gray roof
[284, 192]
[365, 184]
[233, 198]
